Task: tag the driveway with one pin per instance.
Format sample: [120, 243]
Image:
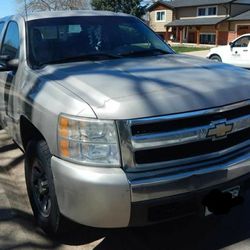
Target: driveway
[18, 231]
[202, 53]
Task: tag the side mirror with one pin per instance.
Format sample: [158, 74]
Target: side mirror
[13, 64]
[231, 44]
[3, 67]
[7, 64]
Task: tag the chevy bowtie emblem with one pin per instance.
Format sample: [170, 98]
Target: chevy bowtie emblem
[219, 131]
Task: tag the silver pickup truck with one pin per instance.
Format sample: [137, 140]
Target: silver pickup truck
[118, 130]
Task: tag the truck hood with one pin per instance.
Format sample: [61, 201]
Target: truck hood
[152, 86]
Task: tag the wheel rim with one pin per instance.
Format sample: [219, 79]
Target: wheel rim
[216, 59]
[40, 189]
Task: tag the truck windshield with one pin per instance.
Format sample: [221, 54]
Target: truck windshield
[60, 40]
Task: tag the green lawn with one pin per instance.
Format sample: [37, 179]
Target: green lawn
[187, 49]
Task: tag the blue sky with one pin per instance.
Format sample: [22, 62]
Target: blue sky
[7, 7]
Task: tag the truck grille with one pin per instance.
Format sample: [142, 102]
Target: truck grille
[191, 138]
[190, 149]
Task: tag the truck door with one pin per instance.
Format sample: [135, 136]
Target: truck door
[10, 47]
[240, 52]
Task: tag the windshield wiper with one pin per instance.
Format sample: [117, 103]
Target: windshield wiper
[84, 57]
[144, 52]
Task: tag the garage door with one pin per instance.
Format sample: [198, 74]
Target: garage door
[243, 29]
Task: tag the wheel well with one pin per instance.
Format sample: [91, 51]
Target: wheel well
[214, 55]
[28, 132]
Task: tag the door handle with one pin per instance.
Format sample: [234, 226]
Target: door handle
[245, 50]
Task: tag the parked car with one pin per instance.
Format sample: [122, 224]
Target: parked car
[236, 53]
[118, 130]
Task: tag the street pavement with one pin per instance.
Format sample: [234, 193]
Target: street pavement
[19, 232]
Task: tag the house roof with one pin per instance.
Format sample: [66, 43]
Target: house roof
[196, 21]
[166, 3]
[241, 1]
[189, 3]
[243, 16]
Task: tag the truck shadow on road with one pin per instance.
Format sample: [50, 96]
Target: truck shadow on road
[18, 230]
[187, 233]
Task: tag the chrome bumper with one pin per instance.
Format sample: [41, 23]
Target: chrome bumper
[167, 186]
[102, 197]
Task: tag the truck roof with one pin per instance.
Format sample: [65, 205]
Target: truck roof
[69, 13]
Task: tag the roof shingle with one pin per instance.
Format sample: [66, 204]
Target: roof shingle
[196, 21]
[189, 3]
[241, 17]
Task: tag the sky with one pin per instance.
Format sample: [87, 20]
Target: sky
[7, 7]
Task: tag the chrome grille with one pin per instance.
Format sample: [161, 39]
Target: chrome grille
[183, 139]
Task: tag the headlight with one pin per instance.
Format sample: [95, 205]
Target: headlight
[88, 141]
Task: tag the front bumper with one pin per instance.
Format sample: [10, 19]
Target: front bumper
[105, 197]
[98, 197]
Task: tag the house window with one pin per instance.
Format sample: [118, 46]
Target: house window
[161, 16]
[201, 11]
[207, 38]
[212, 11]
[207, 11]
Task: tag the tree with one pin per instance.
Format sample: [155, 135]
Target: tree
[53, 5]
[133, 7]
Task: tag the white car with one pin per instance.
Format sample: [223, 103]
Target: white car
[236, 53]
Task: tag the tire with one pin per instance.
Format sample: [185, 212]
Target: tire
[40, 187]
[216, 58]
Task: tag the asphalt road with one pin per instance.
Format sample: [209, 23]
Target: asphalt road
[18, 230]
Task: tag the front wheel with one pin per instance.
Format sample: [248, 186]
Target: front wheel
[40, 187]
[216, 58]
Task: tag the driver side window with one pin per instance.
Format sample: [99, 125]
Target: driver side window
[243, 42]
[11, 43]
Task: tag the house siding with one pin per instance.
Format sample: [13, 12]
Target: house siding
[185, 12]
[159, 27]
[223, 10]
[191, 12]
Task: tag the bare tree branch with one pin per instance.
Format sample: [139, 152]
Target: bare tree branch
[53, 5]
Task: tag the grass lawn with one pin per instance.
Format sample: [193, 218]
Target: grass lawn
[187, 49]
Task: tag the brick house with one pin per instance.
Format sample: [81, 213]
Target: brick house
[214, 22]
